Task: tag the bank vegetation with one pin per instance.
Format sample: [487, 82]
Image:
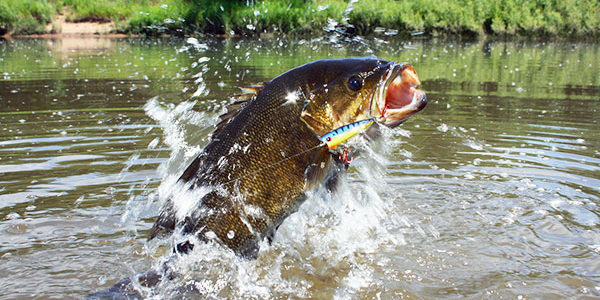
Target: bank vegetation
[571, 18]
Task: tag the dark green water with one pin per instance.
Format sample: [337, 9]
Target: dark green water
[491, 192]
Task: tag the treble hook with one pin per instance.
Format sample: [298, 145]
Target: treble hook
[344, 157]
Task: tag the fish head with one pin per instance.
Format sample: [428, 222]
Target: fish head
[362, 88]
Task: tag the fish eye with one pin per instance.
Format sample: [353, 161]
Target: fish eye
[355, 83]
[328, 139]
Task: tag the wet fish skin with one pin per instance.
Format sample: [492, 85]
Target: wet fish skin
[266, 153]
[254, 189]
[262, 159]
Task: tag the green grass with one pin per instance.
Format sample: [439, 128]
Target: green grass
[525, 17]
[98, 10]
[436, 17]
[25, 16]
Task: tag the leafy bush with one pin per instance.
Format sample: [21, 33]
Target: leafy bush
[499, 17]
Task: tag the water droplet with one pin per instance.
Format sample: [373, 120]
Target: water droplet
[79, 200]
[153, 143]
[13, 216]
[442, 128]
[230, 234]
[210, 235]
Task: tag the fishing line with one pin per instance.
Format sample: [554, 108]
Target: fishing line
[352, 128]
[323, 143]
[277, 162]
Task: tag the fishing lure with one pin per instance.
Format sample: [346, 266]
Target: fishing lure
[335, 137]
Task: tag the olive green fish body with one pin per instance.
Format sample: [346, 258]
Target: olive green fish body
[267, 152]
[261, 179]
[257, 165]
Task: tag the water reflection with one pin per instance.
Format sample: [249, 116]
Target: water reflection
[492, 191]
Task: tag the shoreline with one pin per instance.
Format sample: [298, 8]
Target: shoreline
[70, 36]
[467, 19]
[61, 28]
[404, 36]
[113, 34]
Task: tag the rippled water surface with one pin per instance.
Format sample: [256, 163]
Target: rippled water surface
[491, 191]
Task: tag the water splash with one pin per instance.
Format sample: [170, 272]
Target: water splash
[341, 33]
[333, 235]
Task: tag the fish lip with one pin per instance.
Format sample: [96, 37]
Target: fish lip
[406, 112]
[392, 117]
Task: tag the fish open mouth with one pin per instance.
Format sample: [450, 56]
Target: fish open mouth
[396, 97]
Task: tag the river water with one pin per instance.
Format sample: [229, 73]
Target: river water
[492, 191]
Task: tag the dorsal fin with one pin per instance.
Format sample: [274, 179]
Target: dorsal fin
[239, 102]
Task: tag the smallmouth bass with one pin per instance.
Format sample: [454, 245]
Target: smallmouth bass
[266, 152]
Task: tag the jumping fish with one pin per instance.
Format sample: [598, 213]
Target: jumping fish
[267, 150]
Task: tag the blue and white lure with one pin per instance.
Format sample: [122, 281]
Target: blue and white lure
[336, 137]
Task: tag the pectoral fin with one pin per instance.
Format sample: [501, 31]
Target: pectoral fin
[317, 169]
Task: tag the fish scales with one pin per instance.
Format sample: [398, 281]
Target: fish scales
[271, 176]
[280, 126]
[266, 152]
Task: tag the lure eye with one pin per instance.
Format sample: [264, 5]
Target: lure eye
[328, 139]
[355, 83]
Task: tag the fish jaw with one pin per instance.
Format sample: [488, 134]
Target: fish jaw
[397, 97]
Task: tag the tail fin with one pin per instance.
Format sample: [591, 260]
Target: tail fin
[165, 222]
[126, 289]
